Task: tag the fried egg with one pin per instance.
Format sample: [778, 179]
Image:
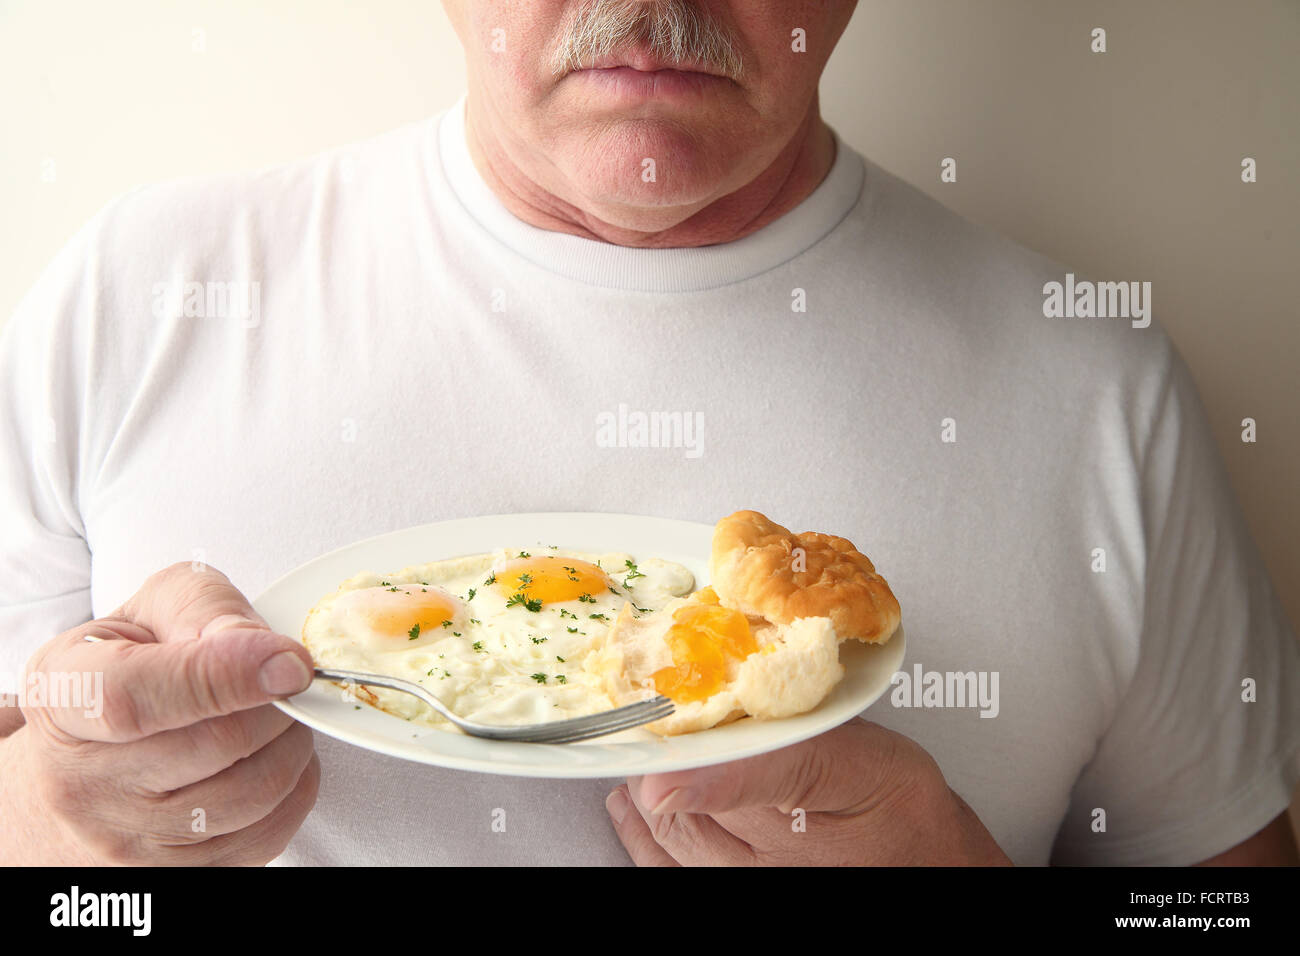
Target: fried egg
[499, 638]
[716, 663]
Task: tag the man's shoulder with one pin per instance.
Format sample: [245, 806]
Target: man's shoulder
[973, 289]
[143, 254]
[196, 213]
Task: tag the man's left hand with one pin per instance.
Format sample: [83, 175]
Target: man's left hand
[856, 795]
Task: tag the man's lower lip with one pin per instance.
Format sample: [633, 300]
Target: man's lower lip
[625, 81]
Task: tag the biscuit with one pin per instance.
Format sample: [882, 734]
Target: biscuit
[764, 570]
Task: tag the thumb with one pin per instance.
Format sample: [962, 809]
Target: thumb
[839, 770]
[126, 690]
[185, 648]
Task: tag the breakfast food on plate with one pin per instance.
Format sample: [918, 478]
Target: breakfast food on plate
[762, 569]
[499, 637]
[516, 637]
[763, 640]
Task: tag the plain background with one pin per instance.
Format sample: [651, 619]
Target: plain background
[1124, 165]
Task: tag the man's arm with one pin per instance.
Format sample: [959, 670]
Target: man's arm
[1272, 846]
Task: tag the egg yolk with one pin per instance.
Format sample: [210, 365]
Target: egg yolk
[549, 578]
[408, 612]
[706, 595]
[703, 639]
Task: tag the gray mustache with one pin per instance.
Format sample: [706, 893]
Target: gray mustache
[678, 31]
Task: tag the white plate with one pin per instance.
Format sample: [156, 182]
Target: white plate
[630, 753]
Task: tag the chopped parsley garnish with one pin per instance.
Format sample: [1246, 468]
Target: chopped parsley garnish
[565, 612]
[392, 589]
[632, 574]
[414, 631]
[446, 623]
[561, 679]
[533, 604]
[540, 678]
[573, 630]
[477, 645]
[491, 579]
[524, 554]
[560, 659]
[524, 581]
[586, 599]
[598, 617]
[539, 640]
[642, 610]
[472, 592]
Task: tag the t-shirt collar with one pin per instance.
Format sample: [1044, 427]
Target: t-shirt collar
[650, 270]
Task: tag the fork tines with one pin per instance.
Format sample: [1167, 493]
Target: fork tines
[584, 728]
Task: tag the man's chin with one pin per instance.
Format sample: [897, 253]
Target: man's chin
[648, 166]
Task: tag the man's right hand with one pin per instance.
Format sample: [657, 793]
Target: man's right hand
[188, 763]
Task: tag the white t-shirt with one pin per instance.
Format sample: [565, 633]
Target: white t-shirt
[413, 353]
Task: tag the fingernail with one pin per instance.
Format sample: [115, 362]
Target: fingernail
[284, 673]
[677, 799]
[226, 621]
[618, 804]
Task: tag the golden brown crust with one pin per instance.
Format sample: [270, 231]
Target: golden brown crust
[756, 569]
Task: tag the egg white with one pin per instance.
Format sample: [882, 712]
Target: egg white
[491, 661]
[795, 667]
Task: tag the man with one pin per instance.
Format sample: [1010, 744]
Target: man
[636, 206]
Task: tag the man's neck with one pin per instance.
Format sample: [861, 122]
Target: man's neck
[797, 170]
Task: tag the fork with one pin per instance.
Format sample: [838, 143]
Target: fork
[553, 732]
